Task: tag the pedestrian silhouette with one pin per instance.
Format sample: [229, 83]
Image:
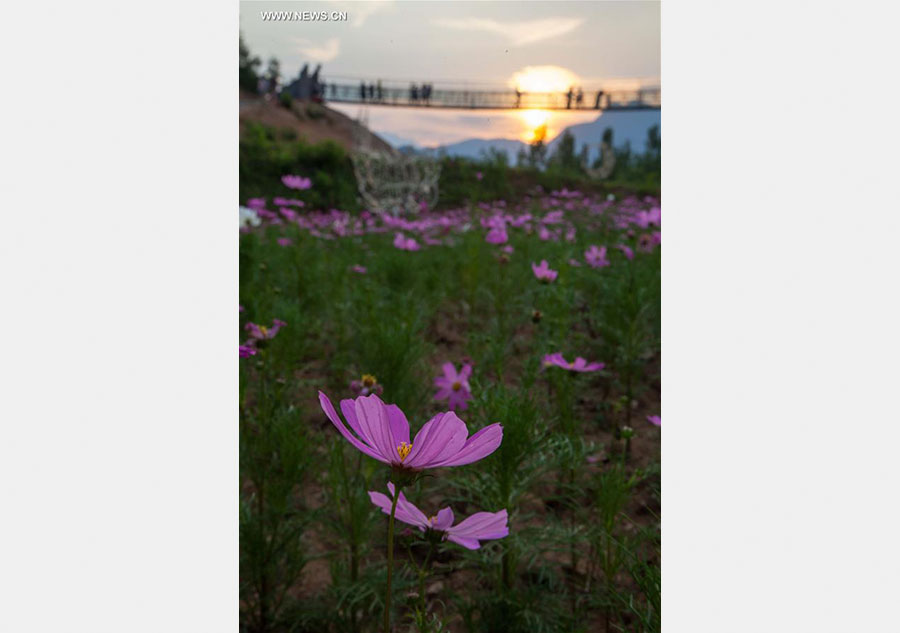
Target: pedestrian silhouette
[362, 91]
[569, 99]
[597, 102]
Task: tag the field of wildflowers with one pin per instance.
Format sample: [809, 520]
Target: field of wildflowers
[450, 422]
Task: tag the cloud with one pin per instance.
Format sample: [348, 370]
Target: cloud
[519, 33]
[320, 52]
[362, 11]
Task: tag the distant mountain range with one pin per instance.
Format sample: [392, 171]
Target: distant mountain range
[479, 147]
[627, 126]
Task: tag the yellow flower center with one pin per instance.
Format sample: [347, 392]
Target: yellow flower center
[403, 450]
[263, 329]
[457, 386]
[368, 380]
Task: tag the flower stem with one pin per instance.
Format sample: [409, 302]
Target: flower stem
[390, 569]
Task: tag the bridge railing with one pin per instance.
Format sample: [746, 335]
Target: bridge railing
[476, 99]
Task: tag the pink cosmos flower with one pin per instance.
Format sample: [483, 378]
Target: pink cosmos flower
[246, 351]
[405, 243]
[579, 364]
[454, 387]
[469, 532]
[508, 249]
[359, 269]
[256, 203]
[260, 333]
[296, 182]
[366, 385]
[283, 202]
[478, 176]
[381, 431]
[627, 250]
[497, 235]
[596, 257]
[289, 214]
[654, 419]
[646, 243]
[544, 272]
[284, 241]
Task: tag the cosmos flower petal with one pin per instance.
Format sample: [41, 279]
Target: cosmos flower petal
[370, 412]
[482, 525]
[405, 512]
[468, 543]
[411, 510]
[457, 400]
[449, 372]
[479, 446]
[328, 408]
[441, 437]
[348, 408]
[399, 423]
[444, 519]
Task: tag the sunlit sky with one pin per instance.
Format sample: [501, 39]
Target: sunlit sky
[540, 46]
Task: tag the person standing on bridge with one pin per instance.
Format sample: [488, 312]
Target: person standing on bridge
[371, 92]
[518, 97]
[597, 102]
[579, 97]
[362, 91]
[569, 98]
[413, 93]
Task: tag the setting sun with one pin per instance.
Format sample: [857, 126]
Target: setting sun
[536, 120]
[544, 79]
[541, 79]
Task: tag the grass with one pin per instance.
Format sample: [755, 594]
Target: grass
[583, 548]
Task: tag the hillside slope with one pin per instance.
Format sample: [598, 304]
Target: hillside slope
[311, 121]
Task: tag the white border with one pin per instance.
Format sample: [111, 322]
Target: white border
[780, 317]
[119, 451]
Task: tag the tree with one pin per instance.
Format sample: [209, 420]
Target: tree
[521, 157]
[653, 141]
[538, 151]
[248, 78]
[606, 142]
[608, 136]
[273, 73]
[583, 157]
[564, 157]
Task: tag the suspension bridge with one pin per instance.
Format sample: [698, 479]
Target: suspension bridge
[427, 96]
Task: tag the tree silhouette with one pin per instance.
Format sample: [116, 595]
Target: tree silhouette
[248, 78]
